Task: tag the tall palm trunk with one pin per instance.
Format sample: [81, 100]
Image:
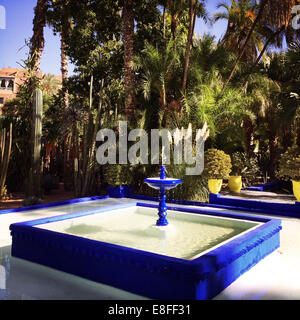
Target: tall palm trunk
[174, 24]
[37, 40]
[128, 41]
[249, 134]
[298, 134]
[273, 148]
[278, 31]
[192, 15]
[68, 180]
[164, 22]
[64, 72]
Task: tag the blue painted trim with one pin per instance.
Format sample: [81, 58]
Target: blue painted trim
[119, 191]
[263, 187]
[53, 204]
[163, 182]
[210, 212]
[148, 274]
[73, 215]
[280, 209]
[216, 201]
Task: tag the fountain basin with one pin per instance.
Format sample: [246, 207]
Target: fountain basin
[167, 183]
[93, 245]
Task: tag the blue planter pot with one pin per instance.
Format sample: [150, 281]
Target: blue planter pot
[119, 191]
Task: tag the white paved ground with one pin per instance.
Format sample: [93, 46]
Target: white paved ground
[275, 277]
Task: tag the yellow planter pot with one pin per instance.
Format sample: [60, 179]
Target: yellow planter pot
[235, 183]
[214, 185]
[296, 189]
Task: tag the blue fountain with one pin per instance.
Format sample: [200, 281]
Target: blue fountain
[162, 184]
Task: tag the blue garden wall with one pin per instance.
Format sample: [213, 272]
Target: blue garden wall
[264, 207]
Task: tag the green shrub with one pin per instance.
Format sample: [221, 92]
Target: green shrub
[193, 187]
[217, 164]
[117, 174]
[246, 167]
[289, 164]
[238, 163]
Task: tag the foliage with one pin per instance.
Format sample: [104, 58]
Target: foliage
[193, 187]
[217, 164]
[245, 166]
[117, 174]
[157, 74]
[208, 102]
[289, 164]
[246, 104]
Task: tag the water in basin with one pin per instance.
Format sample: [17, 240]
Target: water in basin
[187, 235]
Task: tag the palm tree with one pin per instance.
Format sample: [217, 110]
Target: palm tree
[59, 18]
[157, 73]
[293, 74]
[176, 8]
[220, 109]
[275, 106]
[239, 16]
[128, 41]
[278, 25]
[37, 40]
[50, 84]
[195, 8]
[276, 12]
[64, 72]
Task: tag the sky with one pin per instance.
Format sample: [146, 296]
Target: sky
[18, 29]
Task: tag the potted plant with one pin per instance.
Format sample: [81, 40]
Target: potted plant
[244, 171]
[119, 178]
[289, 167]
[235, 182]
[217, 166]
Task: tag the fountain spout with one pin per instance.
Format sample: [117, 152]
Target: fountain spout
[163, 172]
[162, 184]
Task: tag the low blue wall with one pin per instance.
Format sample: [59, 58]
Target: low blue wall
[148, 274]
[264, 187]
[53, 204]
[273, 208]
[233, 204]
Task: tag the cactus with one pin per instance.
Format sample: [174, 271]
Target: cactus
[34, 191]
[5, 151]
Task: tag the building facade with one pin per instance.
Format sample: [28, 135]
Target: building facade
[10, 80]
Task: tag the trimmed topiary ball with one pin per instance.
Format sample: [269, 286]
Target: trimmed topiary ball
[217, 164]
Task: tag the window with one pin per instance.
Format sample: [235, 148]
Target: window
[3, 85]
[1, 100]
[11, 84]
